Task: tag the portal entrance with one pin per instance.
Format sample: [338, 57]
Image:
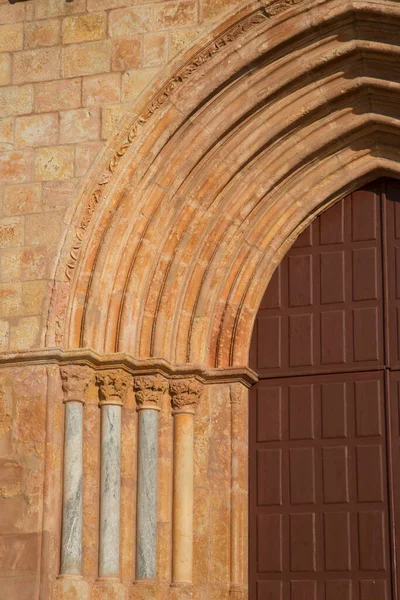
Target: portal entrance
[324, 417]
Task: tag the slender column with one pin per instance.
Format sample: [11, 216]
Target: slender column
[185, 395]
[75, 380]
[238, 397]
[149, 391]
[113, 385]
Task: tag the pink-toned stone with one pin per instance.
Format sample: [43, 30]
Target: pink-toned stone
[80, 125]
[22, 199]
[101, 89]
[85, 155]
[126, 53]
[128, 21]
[37, 130]
[54, 162]
[88, 58]
[155, 49]
[15, 167]
[58, 95]
[36, 65]
[5, 69]
[6, 134]
[42, 33]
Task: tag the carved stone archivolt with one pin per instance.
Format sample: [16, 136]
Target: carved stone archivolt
[75, 380]
[149, 390]
[185, 394]
[113, 386]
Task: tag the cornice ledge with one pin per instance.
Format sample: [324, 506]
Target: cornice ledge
[130, 364]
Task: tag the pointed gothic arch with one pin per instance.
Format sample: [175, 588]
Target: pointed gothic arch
[284, 108]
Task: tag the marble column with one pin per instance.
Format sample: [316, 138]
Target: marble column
[185, 395]
[75, 380]
[149, 391]
[113, 385]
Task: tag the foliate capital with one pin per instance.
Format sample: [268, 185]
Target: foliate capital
[113, 385]
[75, 379]
[149, 390]
[185, 394]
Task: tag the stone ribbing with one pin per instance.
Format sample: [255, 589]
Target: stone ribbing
[185, 395]
[149, 391]
[75, 380]
[113, 386]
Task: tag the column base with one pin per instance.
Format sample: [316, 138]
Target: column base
[109, 588]
[70, 586]
[147, 589]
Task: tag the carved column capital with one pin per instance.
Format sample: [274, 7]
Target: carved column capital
[185, 394]
[113, 385]
[75, 379]
[149, 390]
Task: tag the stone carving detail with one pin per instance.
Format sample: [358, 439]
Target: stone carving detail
[75, 379]
[185, 394]
[149, 390]
[113, 385]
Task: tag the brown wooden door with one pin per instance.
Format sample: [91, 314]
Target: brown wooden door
[324, 417]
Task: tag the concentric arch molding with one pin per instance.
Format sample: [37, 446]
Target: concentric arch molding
[232, 33]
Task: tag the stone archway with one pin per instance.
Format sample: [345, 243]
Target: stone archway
[288, 106]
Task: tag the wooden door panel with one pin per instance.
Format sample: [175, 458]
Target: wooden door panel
[321, 512]
[323, 310]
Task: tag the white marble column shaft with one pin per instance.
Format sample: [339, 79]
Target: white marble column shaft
[149, 391]
[71, 553]
[113, 385]
[75, 380]
[110, 490]
[147, 495]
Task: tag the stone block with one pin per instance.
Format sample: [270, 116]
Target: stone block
[210, 10]
[126, 53]
[70, 589]
[42, 33]
[101, 89]
[36, 65]
[58, 95]
[19, 552]
[11, 232]
[10, 13]
[107, 4]
[127, 21]
[32, 297]
[80, 125]
[54, 162]
[134, 82]
[6, 134]
[182, 38]
[21, 264]
[23, 587]
[155, 49]
[5, 69]
[10, 299]
[22, 199]
[23, 336]
[57, 8]
[56, 195]
[42, 229]
[175, 14]
[36, 130]
[16, 100]
[15, 167]
[84, 28]
[4, 340]
[88, 58]
[111, 115]
[85, 155]
[11, 37]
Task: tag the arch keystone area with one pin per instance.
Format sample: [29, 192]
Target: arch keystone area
[286, 107]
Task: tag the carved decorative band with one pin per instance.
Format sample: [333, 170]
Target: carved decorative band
[230, 35]
[113, 385]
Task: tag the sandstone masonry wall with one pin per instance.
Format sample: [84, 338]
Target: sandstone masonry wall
[69, 71]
